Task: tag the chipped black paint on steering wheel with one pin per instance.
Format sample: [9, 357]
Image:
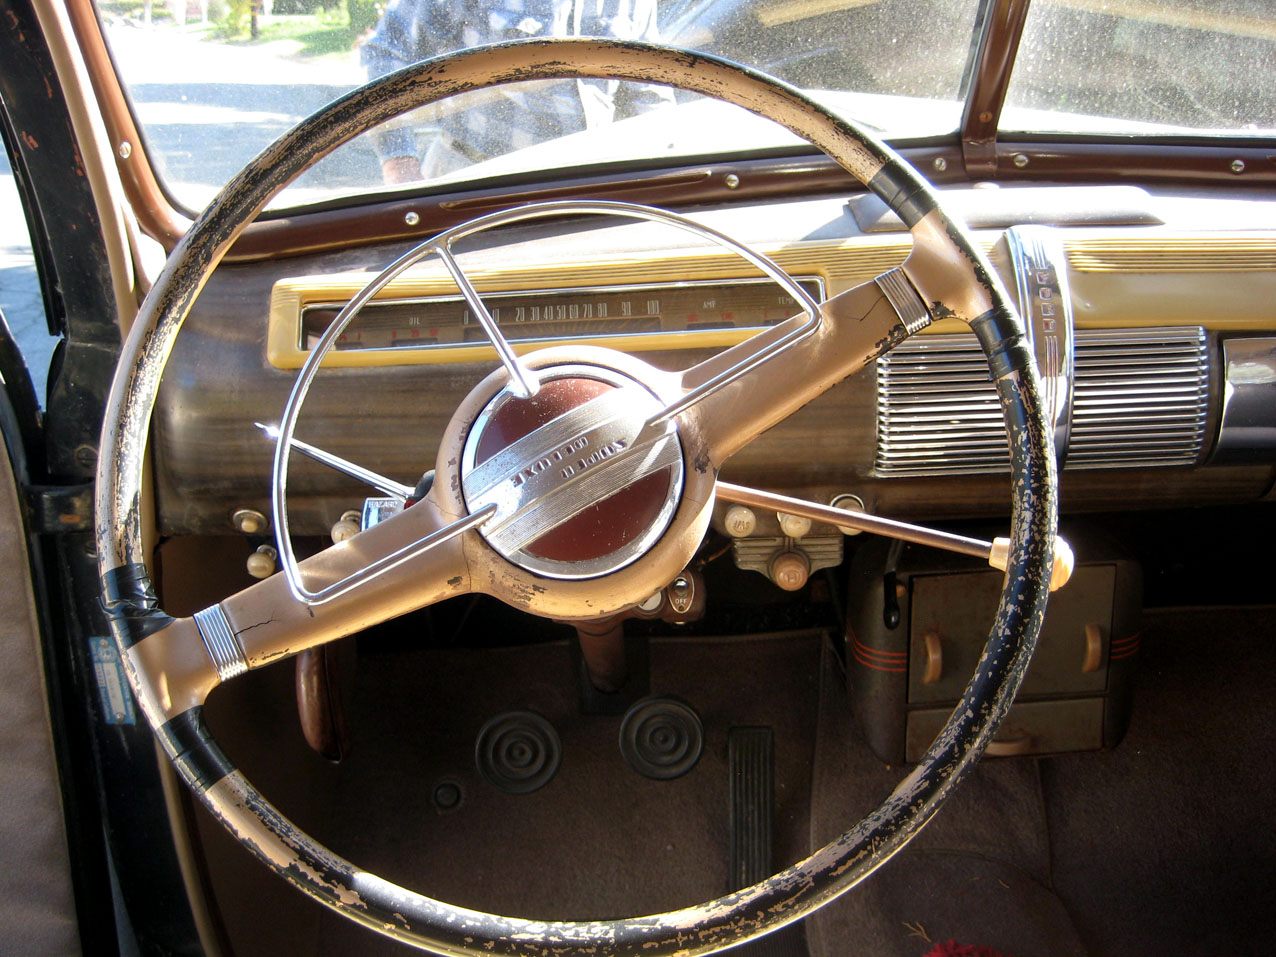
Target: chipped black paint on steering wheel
[708, 927]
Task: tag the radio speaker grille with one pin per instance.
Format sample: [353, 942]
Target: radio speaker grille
[1141, 398]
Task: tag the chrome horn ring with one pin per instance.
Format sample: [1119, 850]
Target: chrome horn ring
[493, 520]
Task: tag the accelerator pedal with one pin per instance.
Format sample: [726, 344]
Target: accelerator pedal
[751, 762]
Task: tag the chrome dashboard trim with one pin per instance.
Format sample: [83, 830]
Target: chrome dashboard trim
[1140, 398]
[549, 293]
[1247, 429]
[1045, 301]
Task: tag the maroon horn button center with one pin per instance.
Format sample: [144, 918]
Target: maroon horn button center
[602, 528]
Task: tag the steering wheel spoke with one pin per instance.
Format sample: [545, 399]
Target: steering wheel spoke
[383, 484]
[182, 662]
[857, 326]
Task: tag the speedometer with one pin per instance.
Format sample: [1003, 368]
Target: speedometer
[443, 328]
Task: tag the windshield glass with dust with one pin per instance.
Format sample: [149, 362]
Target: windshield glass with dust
[212, 82]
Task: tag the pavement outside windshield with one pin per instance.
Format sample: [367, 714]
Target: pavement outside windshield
[218, 102]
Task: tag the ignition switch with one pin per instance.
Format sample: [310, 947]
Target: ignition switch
[684, 593]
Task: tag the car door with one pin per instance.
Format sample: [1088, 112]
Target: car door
[90, 861]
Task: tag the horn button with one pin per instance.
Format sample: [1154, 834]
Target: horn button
[580, 489]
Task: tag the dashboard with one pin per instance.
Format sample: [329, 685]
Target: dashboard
[1153, 327]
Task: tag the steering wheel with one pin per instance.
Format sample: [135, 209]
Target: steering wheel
[458, 538]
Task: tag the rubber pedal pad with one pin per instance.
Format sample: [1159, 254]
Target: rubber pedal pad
[751, 769]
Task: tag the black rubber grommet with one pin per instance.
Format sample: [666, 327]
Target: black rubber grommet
[661, 738]
[448, 796]
[518, 752]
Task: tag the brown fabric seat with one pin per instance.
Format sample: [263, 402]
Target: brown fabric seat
[37, 906]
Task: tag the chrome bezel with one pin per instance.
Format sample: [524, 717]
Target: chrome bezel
[519, 519]
[1247, 422]
[1045, 301]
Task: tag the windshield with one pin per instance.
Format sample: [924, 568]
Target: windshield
[212, 82]
[1139, 66]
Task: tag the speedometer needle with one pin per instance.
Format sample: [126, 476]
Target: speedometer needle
[379, 482]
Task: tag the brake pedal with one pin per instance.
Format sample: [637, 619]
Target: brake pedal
[661, 738]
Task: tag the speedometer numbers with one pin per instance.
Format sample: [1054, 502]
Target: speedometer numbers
[444, 321]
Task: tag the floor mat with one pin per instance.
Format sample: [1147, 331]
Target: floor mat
[598, 840]
[1162, 845]
[979, 873]
[1165, 844]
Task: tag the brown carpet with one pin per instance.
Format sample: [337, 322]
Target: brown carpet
[1165, 845]
[978, 873]
[599, 840]
[1160, 846]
